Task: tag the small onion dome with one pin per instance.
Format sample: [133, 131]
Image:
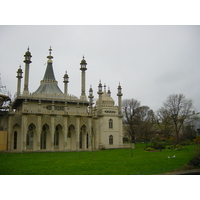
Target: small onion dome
[83, 62]
[66, 78]
[19, 72]
[107, 101]
[27, 57]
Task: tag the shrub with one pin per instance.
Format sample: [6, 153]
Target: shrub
[148, 149]
[170, 141]
[197, 140]
[158, 145]
[185, 142]
[195, 161]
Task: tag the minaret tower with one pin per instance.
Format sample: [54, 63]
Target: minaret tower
[66, 81]
[119, 94]
[100, 92]
[19, 77]
[27, 61]
[83, 69]
[91, 99]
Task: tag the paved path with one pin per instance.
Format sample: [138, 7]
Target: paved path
[186, 172]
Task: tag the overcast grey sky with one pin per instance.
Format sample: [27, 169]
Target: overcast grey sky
[150, 62]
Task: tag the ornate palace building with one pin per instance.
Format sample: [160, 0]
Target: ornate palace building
[53, 120]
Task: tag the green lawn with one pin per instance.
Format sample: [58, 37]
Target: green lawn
[106, 162]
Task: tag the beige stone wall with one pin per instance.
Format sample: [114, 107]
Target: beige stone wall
[3, 140]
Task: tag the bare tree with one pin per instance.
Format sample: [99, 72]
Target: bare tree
[129, 108]
[164, 122]
[177, 110]
[144, 120]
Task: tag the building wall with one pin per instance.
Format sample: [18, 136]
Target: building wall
[3, 140]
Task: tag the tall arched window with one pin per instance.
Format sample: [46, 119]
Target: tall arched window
[110, 123]
[56, 139]
[87, 144]
[110, 140]
[69, 133]
[43, 138]
[15, 140]
[29, 138]
[80, 144]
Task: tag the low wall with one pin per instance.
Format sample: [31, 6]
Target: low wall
[3, 140]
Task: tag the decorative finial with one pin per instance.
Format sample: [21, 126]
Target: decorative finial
[104, 87]
[50, 56]
[50, 50]
[28, 48]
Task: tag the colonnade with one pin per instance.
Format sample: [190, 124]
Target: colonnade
[66, 142]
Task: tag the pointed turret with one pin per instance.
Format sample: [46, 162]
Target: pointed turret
[66, 81]
[119, 94]
[19, 77]
[49, 85]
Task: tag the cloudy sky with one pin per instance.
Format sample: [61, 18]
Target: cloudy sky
[150, 62]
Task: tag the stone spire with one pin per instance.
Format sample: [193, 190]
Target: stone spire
[49, 85]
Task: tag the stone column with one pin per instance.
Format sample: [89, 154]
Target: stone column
[120, 132]
[89, 132]
[39, 131]
[77, 130]
[9, 132]
[52, 132]
[24, 130]
[65, 131]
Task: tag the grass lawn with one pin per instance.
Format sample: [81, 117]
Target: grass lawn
[106, 162]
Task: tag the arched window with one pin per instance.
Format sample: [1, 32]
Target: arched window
[15, 140]
[29, 138]
[43, 138]
[110, 140]
[87, 141]
[80, 144]
[69, 133]
[56, 139]
[110, 123]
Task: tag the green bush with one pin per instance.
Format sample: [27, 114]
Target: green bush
[197, 140]
[185, 142]
[195, 161]
[148, 149]
[158, 145]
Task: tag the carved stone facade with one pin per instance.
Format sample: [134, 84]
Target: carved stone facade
[51, 120]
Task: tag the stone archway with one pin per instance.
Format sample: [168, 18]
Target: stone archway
[16, 138]
[83, 139]
[31, 138]
[58, 138]
[71, 138]
[45, 138]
